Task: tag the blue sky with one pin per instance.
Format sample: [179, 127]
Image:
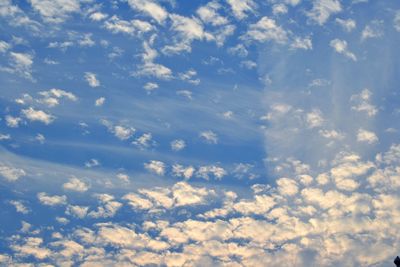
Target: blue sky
[199, 133]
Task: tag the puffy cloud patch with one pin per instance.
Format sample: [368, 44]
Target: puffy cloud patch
[340, 47]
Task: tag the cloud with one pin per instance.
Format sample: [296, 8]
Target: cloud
[361, 103]
[12, 122]
[366, 136]
[21, 64]
[98, 16]
[100, 101]
[77, 211]
[137, 202]
[4, 46]
[144, 141]
[108, 207]
[156, 167]
[347, 24]
[55, 11]
[188, 30]
[216, 171]
[301, 43]
[265, 30]
[178, 144]
[20, 207]
[149, 87]
[373, 30]
[37, 115]
[92, 163]
[91, 79]
[323, 9]
[49, 200]
[122, 132]
[209, 14]
[314, 118]
[32, 247]
[209, 137]
[149, 68]
[241, 8]
[396, 21]
[50, 98]
[133, 27]
[340, 47]
[74, 184]
[5, 137]
[150, 8]
[10, 173]
[181, 171]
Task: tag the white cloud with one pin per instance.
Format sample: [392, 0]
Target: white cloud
[301, 43]
[331, 134]
[239, 50]
[37, 115]
[12, 122]
[5, 137]
[209, 137]
[209, 14]
[133, 27]
[120, 131]
[396, 21]
[100, 101]
[314, 118]
[98, 16]
[4, 46]
[187, 29]
[265, 30]
[19, 206]
[323, 9]
[240, 8]
[123, 177]
[137, 202]
[150, 8]
[366, 136]
[347, 24]
[185, 93]
[340, 47]
[278, 9]
[91, 79]
[21, 63]
[50, 98]
[55, 11]
[287, 186]
[10, 173]
[372, 30]
[185, 195]
[54, 200]
[149, 87]
[77, 211]
[149, 68]
[144, 141]
[92, 163]
[74, 184]
[181, 171]
[248, 64]
[32, 247]
[123, 133]
[156, 167]
[108, 207]
[178, 145]
[361, 103]
[189, 76]
[216, 171]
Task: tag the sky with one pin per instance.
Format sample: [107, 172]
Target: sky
[199, 133]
